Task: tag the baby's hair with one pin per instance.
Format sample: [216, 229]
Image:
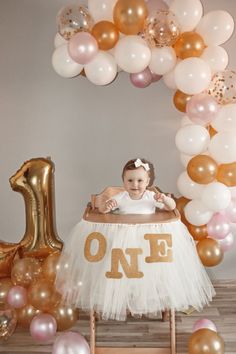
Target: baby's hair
[130, 165]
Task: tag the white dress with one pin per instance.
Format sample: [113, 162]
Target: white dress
[109, 267]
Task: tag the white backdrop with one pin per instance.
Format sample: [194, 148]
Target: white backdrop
[88, 131]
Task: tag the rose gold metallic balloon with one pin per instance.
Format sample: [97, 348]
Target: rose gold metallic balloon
[50, 266]
[43, 296]
[73, 19]
[210, 252]
[223, 87]
[211, 131]
[8, 322]
[161, 29]
[202, 169]
[25, 271]
[180, 204]
[5, 285]
[205, 341]
[25, 315]
[180, 100]
[106, 34]
[8, 252]
[227, 174]
[198, 232]
[65, 316]
[189, 44]
[129, 15]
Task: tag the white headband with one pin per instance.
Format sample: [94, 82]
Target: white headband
[139, 163]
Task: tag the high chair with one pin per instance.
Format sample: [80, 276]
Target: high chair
[92, 214]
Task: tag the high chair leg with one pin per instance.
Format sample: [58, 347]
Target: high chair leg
[92, 332]
[172, 331]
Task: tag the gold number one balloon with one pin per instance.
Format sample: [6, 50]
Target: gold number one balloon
[35, 181]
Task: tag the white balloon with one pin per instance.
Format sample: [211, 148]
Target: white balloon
[187, 187]
[188, 13]
[63, 64]
[225, 119]
[216, 27]
[192, 139]
[192, 75]
[216, 196]
[101, 9]
[102, 69]
[169, 80]
[196, 213]
[132, 54]
[222, 147]
[185, 121]
[216, 57]
[163, 60]
[59, 40]
[185, 159]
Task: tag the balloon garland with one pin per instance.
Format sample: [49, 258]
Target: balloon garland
[150, 41]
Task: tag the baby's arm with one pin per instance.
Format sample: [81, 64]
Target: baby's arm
[108, 206]
[169, 203]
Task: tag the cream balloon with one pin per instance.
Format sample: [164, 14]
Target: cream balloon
[101, 9]
[216, 27]
[197, 213]
[192, 75]
[225, 119]
[222, 147]
[185, 159]
[59, 40]
[63, 64]
[102, 69]
[132, 54]
[187, 187]
[188, 13]
[163, 60]
[192, 139]
[216, 196]
[216, 57]
[169, 79]
[185, 121]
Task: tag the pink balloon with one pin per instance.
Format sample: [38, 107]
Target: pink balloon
[156, 5]
[204, 323]
[230, 212]
[70, 342]
[155, 77]
[82, 47]
[142, 79]
[227, 243]
[218, 227]
[202, 108]
[43, 327]
[17, 297]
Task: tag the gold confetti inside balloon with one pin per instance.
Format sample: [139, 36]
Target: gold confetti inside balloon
[161, 29]
[223, 87]
[8, 322]
[72, 19]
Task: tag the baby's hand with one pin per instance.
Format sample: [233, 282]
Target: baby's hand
[110, 204]
[159, 197]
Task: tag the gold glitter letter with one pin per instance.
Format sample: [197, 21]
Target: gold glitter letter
[160, 248]
[101, 248]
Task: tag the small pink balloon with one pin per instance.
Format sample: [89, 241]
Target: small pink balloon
[230, 212]
[43, 327]
[70, 342]
[218, 227]
[17, 297]
[227, 243]
[204, 323]
[156, 5]
[202, 109]
[155, 77]
[82, 47]
[142, 79]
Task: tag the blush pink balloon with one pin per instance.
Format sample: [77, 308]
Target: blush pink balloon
[70, 342]
[218, 227]
[227, 243]
[17, 297]
[82, 47]
[141, 79]
[230, 212]
[156, 5]
[202, 109]
[43, 327]
[204, 323]
[155, 77]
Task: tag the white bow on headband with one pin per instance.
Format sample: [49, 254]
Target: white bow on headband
[139, 163]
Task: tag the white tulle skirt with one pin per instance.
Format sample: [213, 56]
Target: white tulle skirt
[178, 284]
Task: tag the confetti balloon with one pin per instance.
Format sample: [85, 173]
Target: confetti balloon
[161, 29]
[72, 19]
[223, 87]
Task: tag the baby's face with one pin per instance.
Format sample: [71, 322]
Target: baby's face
[136, 182]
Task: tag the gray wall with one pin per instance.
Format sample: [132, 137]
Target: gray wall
[88, 131]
